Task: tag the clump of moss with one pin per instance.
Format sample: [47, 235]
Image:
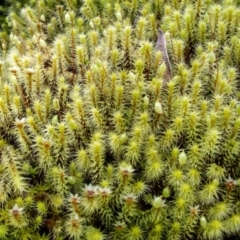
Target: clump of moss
[99, 141]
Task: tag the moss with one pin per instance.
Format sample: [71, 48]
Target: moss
[120, 120]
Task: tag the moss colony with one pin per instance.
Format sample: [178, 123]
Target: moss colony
[97, 143]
